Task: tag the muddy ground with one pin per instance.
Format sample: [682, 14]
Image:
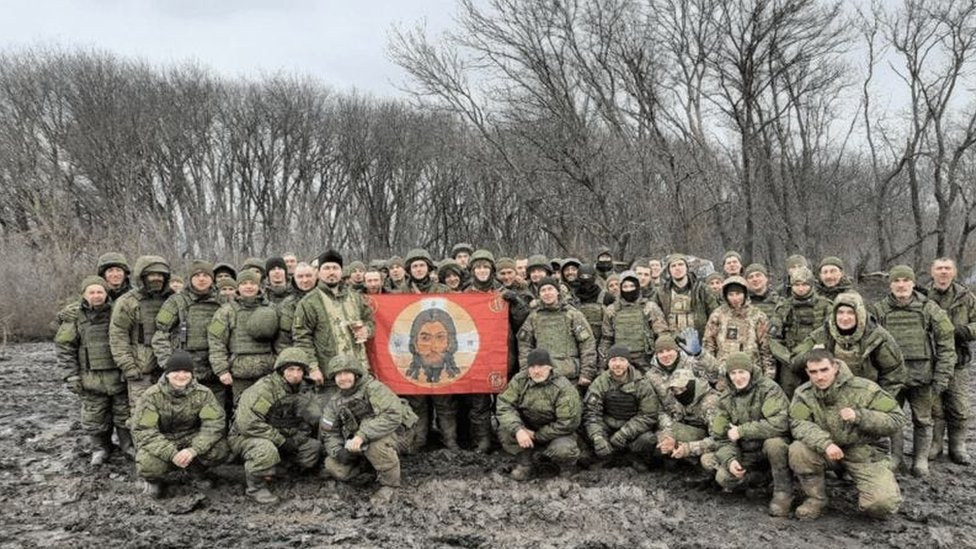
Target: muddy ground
[50, 496]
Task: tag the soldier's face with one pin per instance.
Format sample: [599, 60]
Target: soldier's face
[278, 276]
[357, 276]
[822, 373]
[228, 292]
[570, 273]
[293, 374]
[373, 282]
[613, 286]
[462, 259]
[678, 270]
[179, 379]
[845, 317]
[520, 266]
[305, 278]
[201, 282]
[830, 275]
[248, 288]
[943, 273]
[549, 294]
[330, 273]
[732, 266]
[740, 378]
[345, 380]
[643, 276]
[176, 286]
[419, 269]
[735, 298]
[537, 274]
[655, 267]
[902, 288]
[481, 271]
[628, 286]
[397, 272]
[801, 289]
[95, 295]
[506, 276]
[432, 342]
[221, 275]
[290, 263]
[757, 282]
[155, 281]
[452, 280]
[114, 276]
[618, 366]
[666, 357]
[539, 372]
[715, 285]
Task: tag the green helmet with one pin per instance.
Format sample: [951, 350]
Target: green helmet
[419, 253]
[150, 264]
[262, 325]
[344, 363]
[482, 255]
[538, 261]
[461, 247]
[112, 259]
[448, 266]
[254, 263]
[290, 357]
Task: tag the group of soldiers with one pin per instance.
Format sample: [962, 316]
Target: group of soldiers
[649, 366]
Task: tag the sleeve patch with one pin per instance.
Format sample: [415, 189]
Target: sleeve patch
[149, 418]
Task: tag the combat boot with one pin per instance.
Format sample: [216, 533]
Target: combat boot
[102, 444]
[938, 432]
[448, 427]
[815, 489]
[483, 444]
[957, 445]
[779, 506]
[257, 488]
[898, 452]
[125, 443]
[153, 488]
[383, 496]
[523, 470]
[920, 460]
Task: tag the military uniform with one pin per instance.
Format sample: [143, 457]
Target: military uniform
[371, 411]
[565, 333]
[695, 413]
[241, 340]
[635, 324]
[114, 259]
[286, 315]
[133, 324]
[745, 329]
[684, 306]
[791, 322]
[322, 324]
[593, 300]
[816, 423]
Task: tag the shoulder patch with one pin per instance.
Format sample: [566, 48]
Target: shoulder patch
[800, 411]
[209, 412]
[149, 418]
[262, 406]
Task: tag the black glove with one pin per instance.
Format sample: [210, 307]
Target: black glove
[511, 296]
[602, 447]
[962, 333]
[292, 444]
[345, 457]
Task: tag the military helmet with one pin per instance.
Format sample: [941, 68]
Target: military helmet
[254, 263]
[112, 259]
[555, 264]
[734, 281]
[802, 275]
[482, 255]
[226, 267]
[262, 324]
[377, 265]
[538, 261]
[344, 363]
[292, 356]
[419, 253]
[448, 266]
[461, 247]
[151, 264]
[569, 261]
[587, 272]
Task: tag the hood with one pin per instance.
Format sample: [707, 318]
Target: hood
[856, 302]
[150, 263]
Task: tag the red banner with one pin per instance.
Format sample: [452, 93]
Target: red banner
[438, 344]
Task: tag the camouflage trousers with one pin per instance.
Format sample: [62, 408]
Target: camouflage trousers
[260, 455]
[560, 450]
[479, 415]
[382, 454]
[153, 467]
[138, 386]
[877, 490]
[104, 402]
[445, 410]
[921, 399]
[952, 405]
[774, 456]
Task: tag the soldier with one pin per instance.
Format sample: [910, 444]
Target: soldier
[603, 266]
[275, 420]
[656, 269]
[621, 411]
[737, 326]
[364, 422]
[536, 269]
[926, 338]
[613, 285]
[714, 283]
[256, 265]
[373, 282]
[357, 276]
[227, 289]
[795, 318]
[539, 412]
[302, 283]
[331, 320]
[451, 274]
[732, 264]
[461, 254]
[794, 263]
[507, 275]
[592, 299]
[632, 321]
[683, 300]
[114, 269]
[225, 271]
[182, 323]
[761, 296]
[751, 430]
[516, 293]
[569, 272]
[685, 435]
[241, 336]
[176, 284]
[521, 268]
[643, 272]
[85, 360]
[952, 405]
[291, 262]
[177, 424]
[839, 421]
[669, 360]
[563, 331]
[277, 288]
[832, 281]
[396, 281]
[133, 323]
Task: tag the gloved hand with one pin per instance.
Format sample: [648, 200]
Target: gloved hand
[602, 447]
[511, 296]
[617, 441]
[962, 333]
[345, 457]
[689, 341]
[73, 384]
[291, 444]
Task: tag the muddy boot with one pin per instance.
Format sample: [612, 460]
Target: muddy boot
[815, 488]
[957, 445]
[102, 447]
[257, 488]
[568, 470]
[448, 426]
[898, 452]
[155, 489]
[523, 470]
[383, 496]
[779, 506]
[125, 443]
[483, 444]
[920, 460]
[938, 432]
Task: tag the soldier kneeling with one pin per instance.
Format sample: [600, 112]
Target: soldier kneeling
[276, 419]
[751, 429]
[539, 412]
[365, 420]
[178, 423]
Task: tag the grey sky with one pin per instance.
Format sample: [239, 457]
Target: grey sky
[343, 43]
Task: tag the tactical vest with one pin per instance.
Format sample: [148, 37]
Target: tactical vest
[630, 329]
[736, 334]
[908, 326]
[197, 316]
[284, 414]
[681, 315]
[94, 352]
[620, 405]
[241, 343]
[853, 357]
[554, 332]
[148, 309]
[801, 322]
[593, 311]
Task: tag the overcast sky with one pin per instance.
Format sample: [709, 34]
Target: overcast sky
[342, 42]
